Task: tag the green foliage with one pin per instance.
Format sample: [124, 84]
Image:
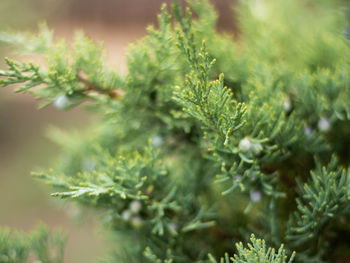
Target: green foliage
[207, 138]
[324, 199]
[69, 72]
[256, 253]
[40, 245]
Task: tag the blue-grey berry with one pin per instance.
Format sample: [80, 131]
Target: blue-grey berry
[61, 102]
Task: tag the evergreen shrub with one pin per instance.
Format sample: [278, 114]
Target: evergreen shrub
[210, 139]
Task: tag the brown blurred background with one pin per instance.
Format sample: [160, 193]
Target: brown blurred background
[23, 144]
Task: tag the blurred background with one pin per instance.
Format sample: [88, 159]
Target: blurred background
[24, 146]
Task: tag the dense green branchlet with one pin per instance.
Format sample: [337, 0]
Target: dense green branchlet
[256, 252]
[208, 138]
